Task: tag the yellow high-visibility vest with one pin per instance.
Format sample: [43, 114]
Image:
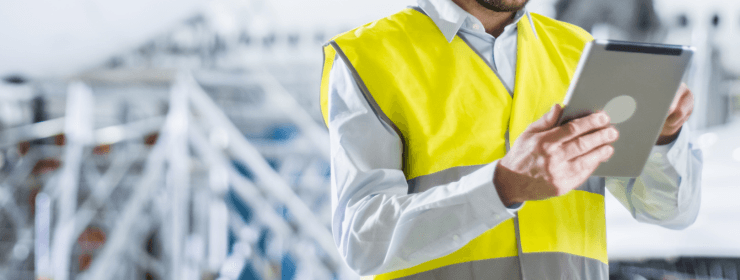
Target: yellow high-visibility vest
[453, 113]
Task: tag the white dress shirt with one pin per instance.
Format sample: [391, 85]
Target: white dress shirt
[374, 217]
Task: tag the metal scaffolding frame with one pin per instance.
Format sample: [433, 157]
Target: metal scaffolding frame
[174, 209]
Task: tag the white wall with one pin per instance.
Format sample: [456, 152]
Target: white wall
[725, 36]
[54, 37]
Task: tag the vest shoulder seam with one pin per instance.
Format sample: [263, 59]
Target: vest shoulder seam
[369, 28]
[566, 26]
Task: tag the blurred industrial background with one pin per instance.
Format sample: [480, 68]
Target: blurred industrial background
[183, 140]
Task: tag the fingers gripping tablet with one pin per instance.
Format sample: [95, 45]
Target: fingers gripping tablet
[633, 83]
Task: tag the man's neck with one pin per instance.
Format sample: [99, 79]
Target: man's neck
[493, 22]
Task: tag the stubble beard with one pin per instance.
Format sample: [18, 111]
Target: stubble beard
[502, 5]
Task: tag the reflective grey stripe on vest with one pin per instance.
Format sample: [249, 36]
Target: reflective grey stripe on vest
[422, 183]
[368, 97]
[494, 269]
[562, 266]
[425, 182]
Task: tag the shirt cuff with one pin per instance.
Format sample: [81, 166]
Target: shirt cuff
[667, 154]
[486, 202]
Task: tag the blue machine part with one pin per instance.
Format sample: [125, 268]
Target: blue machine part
[243, 169]
[232, 241]
[248, 273]
[262, 242]
[282, 132]
[287, 267]
[244, 211]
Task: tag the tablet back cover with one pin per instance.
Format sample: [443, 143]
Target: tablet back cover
[635, 84]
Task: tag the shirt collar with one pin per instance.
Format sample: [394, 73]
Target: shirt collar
[449, 17]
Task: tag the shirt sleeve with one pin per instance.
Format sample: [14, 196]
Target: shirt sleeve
[668, 192]
[377, 225]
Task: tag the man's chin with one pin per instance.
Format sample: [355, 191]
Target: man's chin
[502, 5]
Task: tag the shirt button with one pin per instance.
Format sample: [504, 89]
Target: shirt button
[476, 26]
[455, 237]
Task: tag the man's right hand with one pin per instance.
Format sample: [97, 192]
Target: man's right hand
[549, 161]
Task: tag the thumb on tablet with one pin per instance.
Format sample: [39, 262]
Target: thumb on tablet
[548, 120]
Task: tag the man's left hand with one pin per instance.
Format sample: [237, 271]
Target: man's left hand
[679, 113]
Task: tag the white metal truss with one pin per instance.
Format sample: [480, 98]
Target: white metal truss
[177, 195]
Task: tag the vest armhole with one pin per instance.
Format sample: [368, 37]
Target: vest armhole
[329, 55]
[369, 98]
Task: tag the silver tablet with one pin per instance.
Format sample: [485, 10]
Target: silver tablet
[634, 83]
